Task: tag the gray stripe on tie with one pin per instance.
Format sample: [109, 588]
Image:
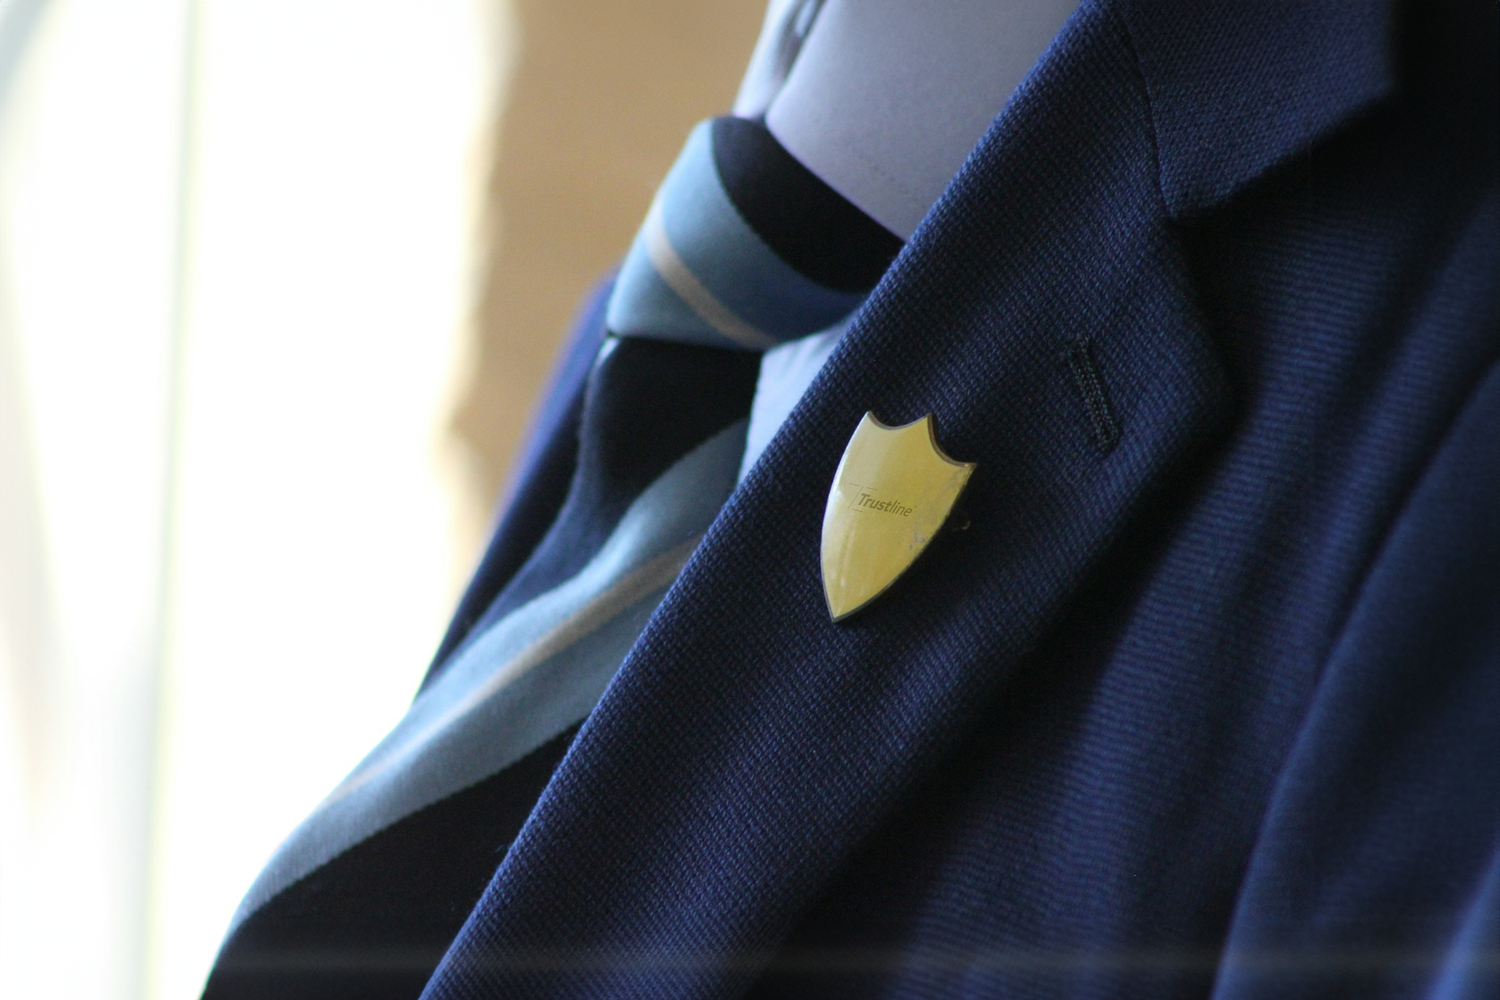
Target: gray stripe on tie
[696, 295]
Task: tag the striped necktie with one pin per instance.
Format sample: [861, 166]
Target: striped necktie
[743, 249]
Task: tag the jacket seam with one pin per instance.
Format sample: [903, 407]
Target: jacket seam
[1382, 542]
[1151, 127]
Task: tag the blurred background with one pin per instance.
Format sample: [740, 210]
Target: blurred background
[279, 284]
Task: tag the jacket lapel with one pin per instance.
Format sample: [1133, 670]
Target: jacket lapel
[1231, 98]
[748, 744]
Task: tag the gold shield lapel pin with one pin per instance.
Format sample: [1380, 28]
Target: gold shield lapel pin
[892, 492]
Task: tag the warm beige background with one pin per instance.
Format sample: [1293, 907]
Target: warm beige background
[603, 97]
[275, 306]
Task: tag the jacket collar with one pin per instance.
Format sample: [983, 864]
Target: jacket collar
[1236, 89]
[747, 746]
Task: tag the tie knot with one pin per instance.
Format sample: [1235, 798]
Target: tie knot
[745, 247]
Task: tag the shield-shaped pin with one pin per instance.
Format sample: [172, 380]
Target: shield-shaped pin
[892, 492]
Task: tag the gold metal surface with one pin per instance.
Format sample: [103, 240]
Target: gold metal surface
[892, 492]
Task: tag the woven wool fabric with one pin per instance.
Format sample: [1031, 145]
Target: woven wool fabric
[1203, 708]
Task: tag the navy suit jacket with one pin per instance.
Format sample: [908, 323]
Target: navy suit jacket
[1209, 706]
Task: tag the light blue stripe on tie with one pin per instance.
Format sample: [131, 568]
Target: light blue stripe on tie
[530, 676]
[731, 260]
[656, 295]
[697, 272]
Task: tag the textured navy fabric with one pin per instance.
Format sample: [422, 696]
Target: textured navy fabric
[1203, 704]
[1208, 713]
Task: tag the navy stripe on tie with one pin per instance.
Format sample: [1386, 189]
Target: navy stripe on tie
[719, 261]
[374, 922]
[629, 439]
[807, 223]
